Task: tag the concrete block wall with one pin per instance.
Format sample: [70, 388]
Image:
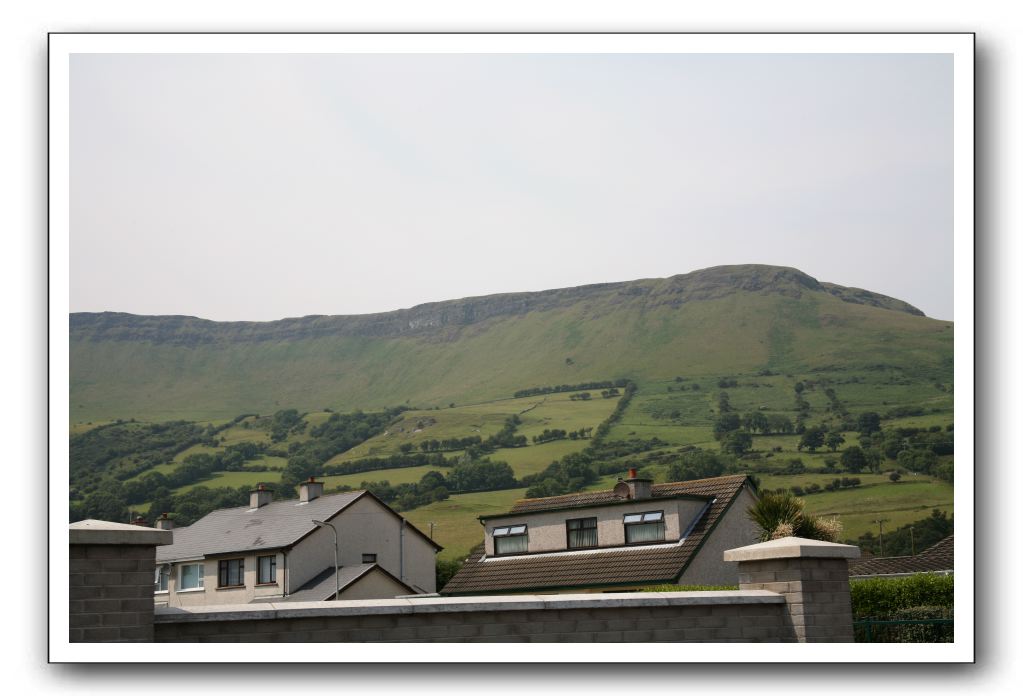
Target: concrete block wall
[678, 617]
[110, 581]
[791, 590]
[812, 576]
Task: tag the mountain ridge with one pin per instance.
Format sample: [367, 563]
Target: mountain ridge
[673, 291]
[721, 321]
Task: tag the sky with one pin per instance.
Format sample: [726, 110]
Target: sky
[258, 187]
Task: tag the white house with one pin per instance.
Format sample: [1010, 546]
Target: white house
[276, 551]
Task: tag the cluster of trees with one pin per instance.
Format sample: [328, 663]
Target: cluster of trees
[610, 393]
[506, 437]
[581, 396]
[767, 423]
[536, 391]
[396, 461]
[285, 422]
[467, 475]
[914, 449]
[833, 485]
[834, 405]
[726, 382]
[820, 436]
[339, 433]
[700, 464]
[124, 449]
[451, 444]
[902, 542]
[550, 434]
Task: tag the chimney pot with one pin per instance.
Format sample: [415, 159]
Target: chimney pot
[164, 522]
[260, 497]
[639, 488]
[310, 490]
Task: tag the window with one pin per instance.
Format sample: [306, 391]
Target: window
[190, 576]
[510, 539]
[644, 526]
[267, 566]
[162, 575]
[582, 533]
[369, 558]
[231, 573]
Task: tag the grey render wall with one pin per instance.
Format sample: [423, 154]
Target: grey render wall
[734, 529]
[211, 594]
[365, 526]
[647, 617]
[547, 531]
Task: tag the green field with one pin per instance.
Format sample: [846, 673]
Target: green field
[484, 420]
[455, 525]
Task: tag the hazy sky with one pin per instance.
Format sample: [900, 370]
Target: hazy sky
[266, 186]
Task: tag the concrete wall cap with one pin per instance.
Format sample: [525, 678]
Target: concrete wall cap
[792, 547]
[115, 533]
[376, 607]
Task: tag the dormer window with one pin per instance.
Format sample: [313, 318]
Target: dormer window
[582, 533]
[644, 527]
[510, 539]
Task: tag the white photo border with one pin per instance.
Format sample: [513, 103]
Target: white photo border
[63, 45]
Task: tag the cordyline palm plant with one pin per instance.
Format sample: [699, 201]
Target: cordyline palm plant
[781, 514]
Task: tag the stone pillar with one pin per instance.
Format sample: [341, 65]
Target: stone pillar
[112, 574]
[813, 576]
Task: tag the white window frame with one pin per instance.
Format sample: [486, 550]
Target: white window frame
[640, 519]
[202, 573]
[508, 531]
[163, 573]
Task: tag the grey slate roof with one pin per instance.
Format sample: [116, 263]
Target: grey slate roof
[322, 588]
[236, 530]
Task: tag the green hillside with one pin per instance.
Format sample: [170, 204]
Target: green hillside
[413, 404]
[734, 319]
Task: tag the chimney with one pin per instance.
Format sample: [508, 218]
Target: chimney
[164, 522]
[639, 488]
[259, 497]
[310, 490]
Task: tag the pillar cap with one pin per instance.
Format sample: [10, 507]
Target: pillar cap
[792, 547]
[103, 532]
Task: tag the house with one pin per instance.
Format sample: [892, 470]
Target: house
[284, 551]
[938, 559]
[635, 535]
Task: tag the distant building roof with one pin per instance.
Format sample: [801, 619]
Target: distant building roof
[235, 530]
[322, 587]
[937, 558]
[620, 566]
[273, 526]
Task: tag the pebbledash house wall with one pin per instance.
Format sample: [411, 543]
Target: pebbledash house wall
[791, 590]
[546, 531]
[733, 530]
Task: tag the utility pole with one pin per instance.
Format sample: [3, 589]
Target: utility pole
[431, 531]
[912, 543]
[880, 535]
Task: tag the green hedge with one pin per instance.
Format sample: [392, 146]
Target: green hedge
[882, 598]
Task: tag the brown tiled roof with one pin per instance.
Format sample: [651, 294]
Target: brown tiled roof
[936, 558]
[702, 487]
[622, 566]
